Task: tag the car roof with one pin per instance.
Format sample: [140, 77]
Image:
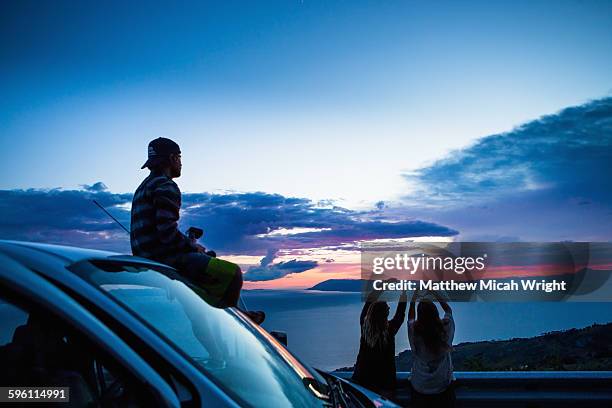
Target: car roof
[21, 251]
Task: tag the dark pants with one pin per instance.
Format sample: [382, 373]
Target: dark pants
[444, 399]
[221, 279]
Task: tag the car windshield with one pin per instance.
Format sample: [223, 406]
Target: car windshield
[238, 356]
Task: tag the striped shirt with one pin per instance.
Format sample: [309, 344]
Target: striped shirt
[154, 221]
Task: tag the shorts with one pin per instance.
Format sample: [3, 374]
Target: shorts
[212, 276]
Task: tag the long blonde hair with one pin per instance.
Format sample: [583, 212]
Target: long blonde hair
[375, 325]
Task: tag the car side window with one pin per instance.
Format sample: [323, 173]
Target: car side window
[11, 317]
[38, 349]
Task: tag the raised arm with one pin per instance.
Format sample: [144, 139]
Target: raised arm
[411, 316]
[400, 314]
[411, 311]
[445, 306]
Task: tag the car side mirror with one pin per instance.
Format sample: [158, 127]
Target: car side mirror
[280, 336]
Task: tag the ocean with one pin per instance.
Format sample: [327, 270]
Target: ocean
[323, 327]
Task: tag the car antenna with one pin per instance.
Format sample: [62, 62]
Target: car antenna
[110, 215]
[240, 299]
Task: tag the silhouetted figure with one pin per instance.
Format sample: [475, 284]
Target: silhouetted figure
[155, 234]
[431, 340]
[375, 366]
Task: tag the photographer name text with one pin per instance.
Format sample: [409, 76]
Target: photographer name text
[533, 285]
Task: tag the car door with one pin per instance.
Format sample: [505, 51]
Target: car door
[48, 339]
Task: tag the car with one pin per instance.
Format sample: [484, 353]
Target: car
[119, 330]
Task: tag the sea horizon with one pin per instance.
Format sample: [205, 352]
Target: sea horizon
[323, 327]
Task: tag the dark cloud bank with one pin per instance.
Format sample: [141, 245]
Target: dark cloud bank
[233, 222]
[549, 179]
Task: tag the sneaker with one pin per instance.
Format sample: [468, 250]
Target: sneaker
[257, 316]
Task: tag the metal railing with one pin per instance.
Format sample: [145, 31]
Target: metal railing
[533, 389]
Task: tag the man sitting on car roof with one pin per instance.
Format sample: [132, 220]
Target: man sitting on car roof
[155, 234]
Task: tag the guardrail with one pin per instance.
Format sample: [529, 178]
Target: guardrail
[533, 389]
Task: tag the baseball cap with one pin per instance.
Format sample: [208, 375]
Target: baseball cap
[159, 149]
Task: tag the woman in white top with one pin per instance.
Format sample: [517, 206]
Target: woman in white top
[431, 340]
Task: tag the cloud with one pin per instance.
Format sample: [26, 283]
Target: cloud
[570, 151]
[268, 271]
[267, 260]
[533, 182]
[237, 223]
[243, 222]
[95, 188]
[64, 217]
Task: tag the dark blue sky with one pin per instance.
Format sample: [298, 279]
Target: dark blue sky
[297, 95]
[308, 127]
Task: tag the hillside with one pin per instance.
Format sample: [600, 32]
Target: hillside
[589, 348]
[339, 285]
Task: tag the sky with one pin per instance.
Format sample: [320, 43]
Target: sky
[307, 127]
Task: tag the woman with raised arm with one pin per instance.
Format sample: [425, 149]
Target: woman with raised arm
[375, 366]
[431, 340]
